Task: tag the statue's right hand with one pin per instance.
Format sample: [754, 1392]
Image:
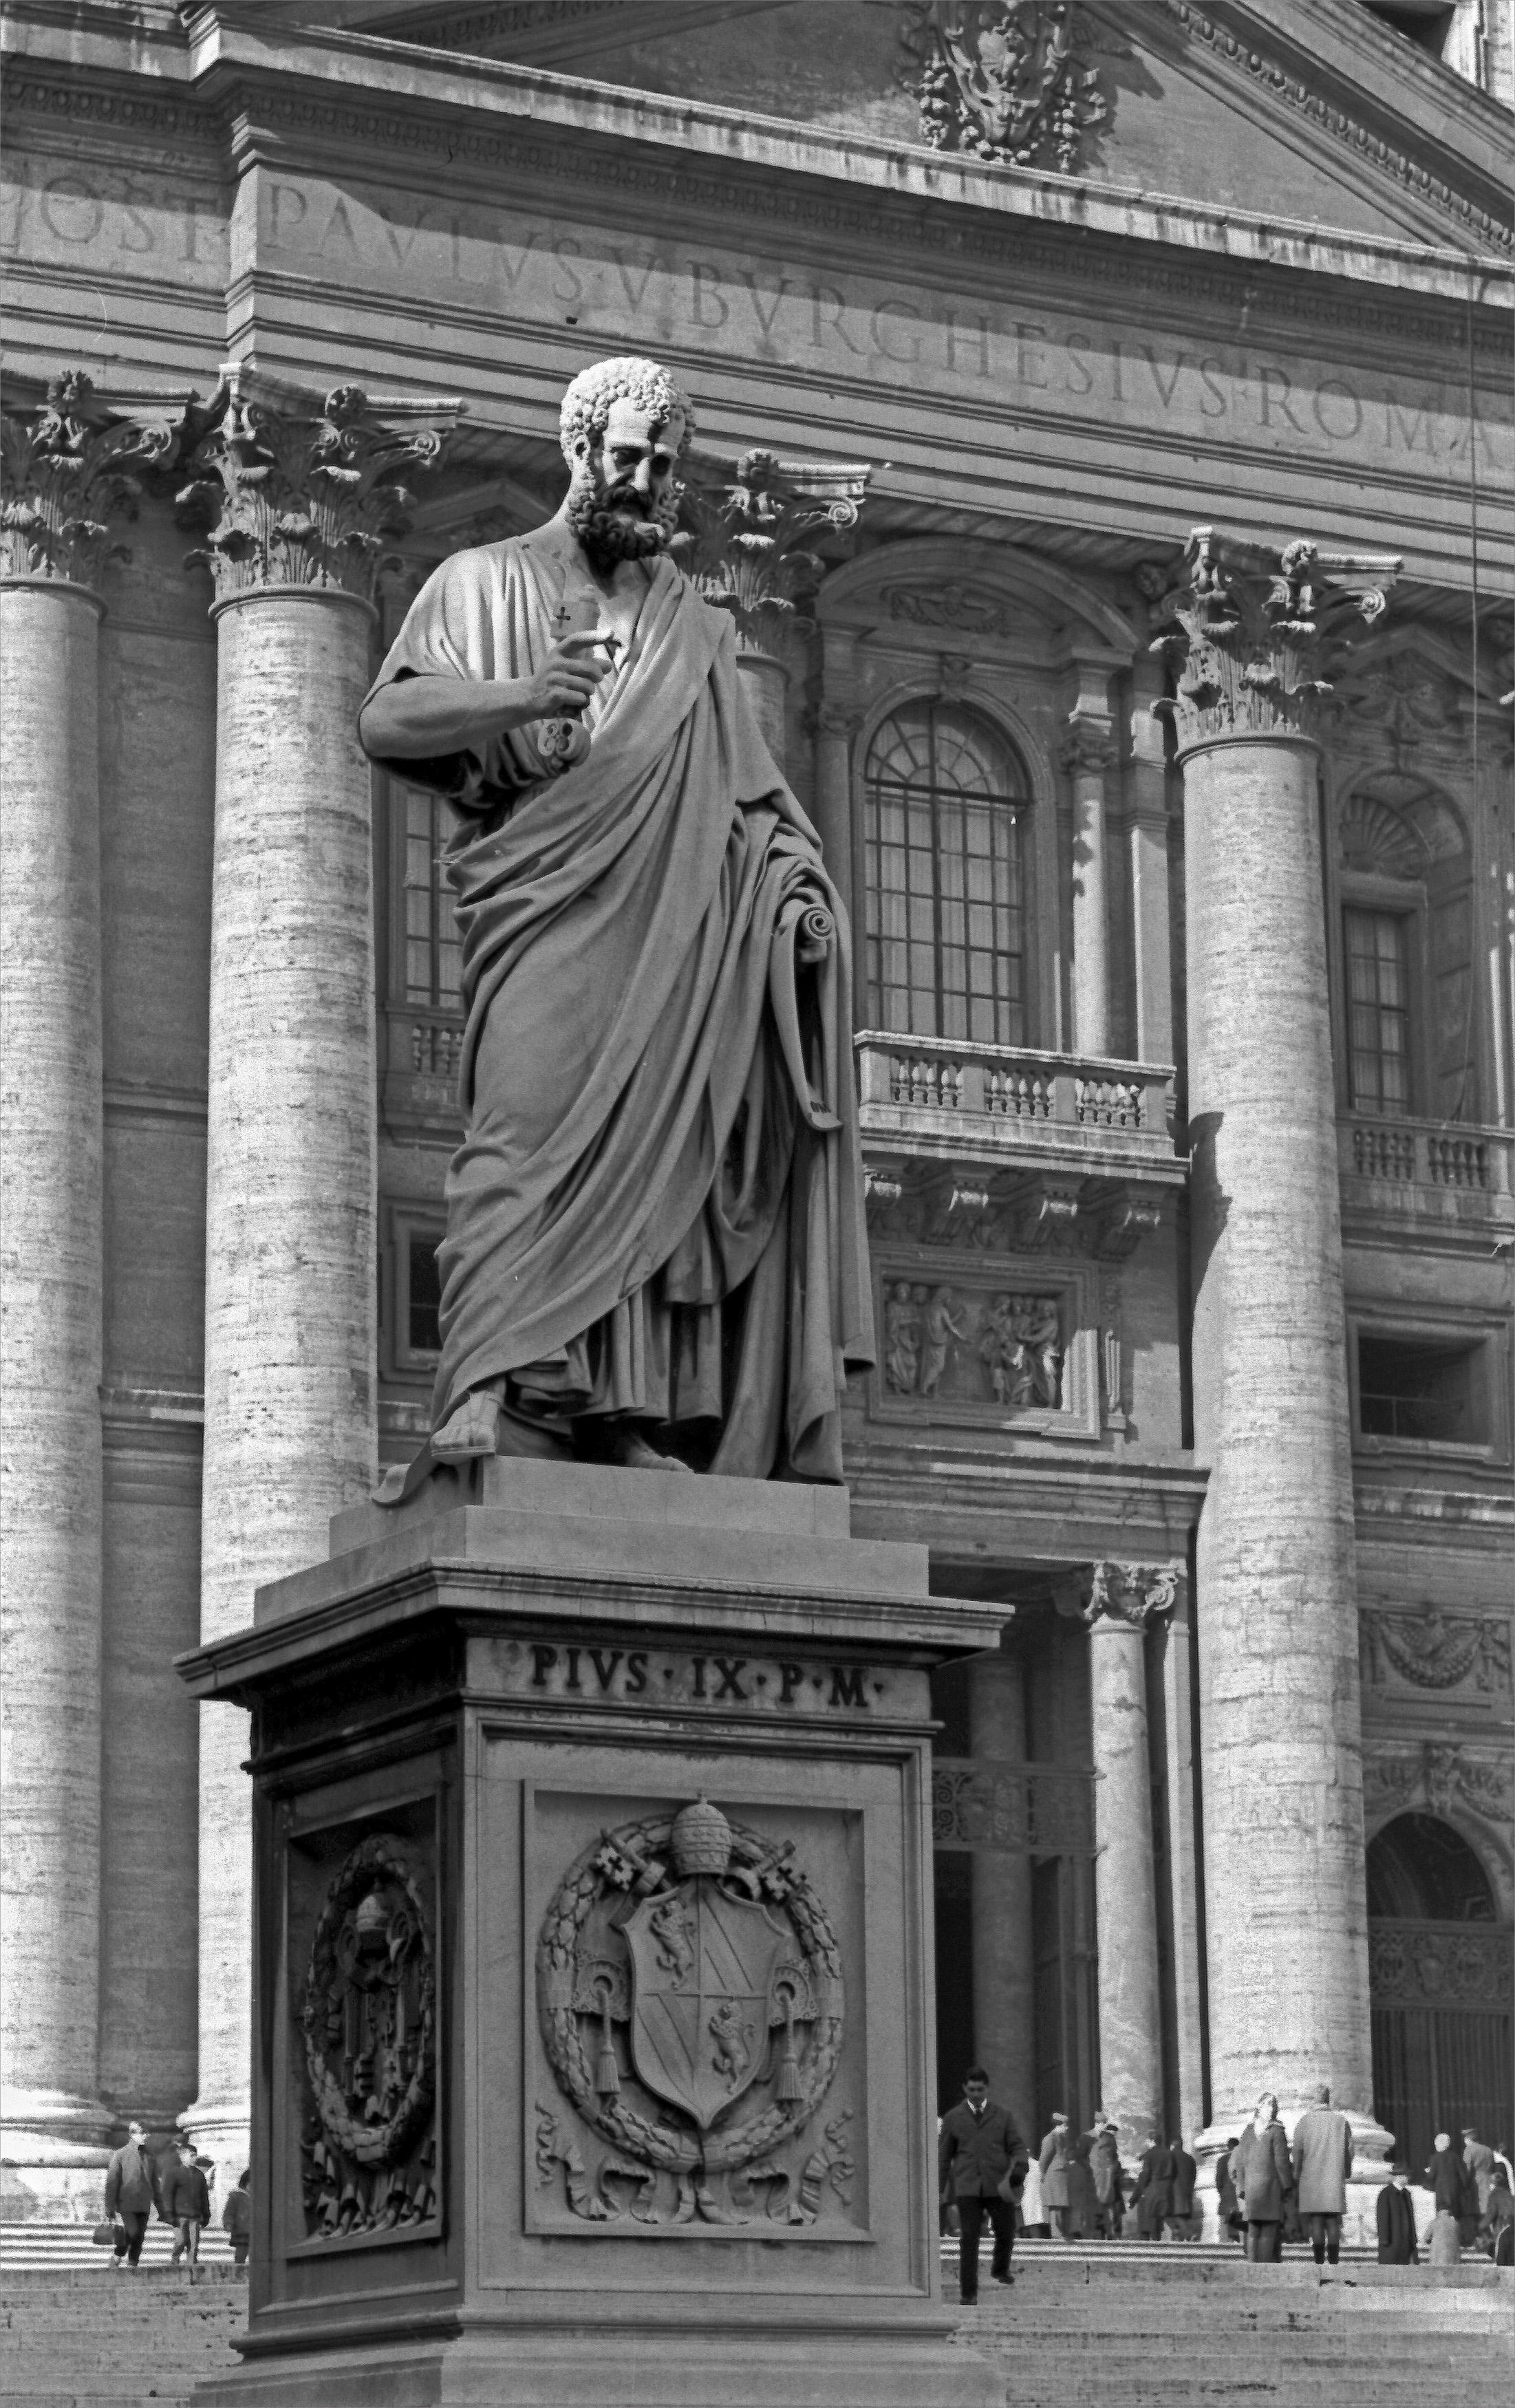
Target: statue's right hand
[569, 676]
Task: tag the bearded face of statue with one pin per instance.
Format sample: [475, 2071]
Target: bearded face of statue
[623, 492]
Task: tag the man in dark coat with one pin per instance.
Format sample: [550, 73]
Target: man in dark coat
[1226, 2193]
[1182, 2222]
[132, 2190]
[1397, 2244]
[186, 2205]
[1109, 2182]
[980, 2159]
[1260, 2171]
[1153, 2197]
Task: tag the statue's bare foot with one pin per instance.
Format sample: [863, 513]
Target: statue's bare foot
[470, 1430]
[631, 1450]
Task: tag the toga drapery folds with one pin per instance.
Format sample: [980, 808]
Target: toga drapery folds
[657, 1206]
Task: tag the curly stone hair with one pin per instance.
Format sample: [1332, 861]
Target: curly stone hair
[586, 405]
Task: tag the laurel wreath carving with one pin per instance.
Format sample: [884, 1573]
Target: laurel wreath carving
[676, 2150]
[375, 2144]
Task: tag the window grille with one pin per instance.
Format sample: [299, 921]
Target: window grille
[1378, 1008]
[943, 799]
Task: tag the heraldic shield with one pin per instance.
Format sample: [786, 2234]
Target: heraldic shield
[702, 1998]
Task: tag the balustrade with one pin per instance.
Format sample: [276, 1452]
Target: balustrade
[1448, 1155]
[1009, 1090]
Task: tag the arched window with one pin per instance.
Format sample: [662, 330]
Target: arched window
[1406, 948]
[943, 800]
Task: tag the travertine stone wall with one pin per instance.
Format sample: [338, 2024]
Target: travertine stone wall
[1004, 1968]
[291, 1341]
[1277, 1627]
[1125, 1891]
[49, 1369]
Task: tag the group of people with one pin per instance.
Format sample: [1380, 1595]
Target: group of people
[138, 2187]
[1075, 2186]
[1271, 2186]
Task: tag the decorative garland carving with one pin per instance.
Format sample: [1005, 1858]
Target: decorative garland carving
[1437, 1965]
[66, 469]
[1254, 629]
[1433, 1650]
[643, 1935]
[1443, 1776]
[1006, 79]
[370, 2022]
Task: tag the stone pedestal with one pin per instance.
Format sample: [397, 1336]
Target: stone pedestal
[1004, 1962]
[593, 1991]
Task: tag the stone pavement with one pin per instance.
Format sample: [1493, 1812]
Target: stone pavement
[1163, 2328]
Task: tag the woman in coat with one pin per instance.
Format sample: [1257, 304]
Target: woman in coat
[1053, 2161]
[1260, 2171]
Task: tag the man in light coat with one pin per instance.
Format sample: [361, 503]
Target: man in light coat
[1323, 2162]
[1056, 2150]
[132, 2191]
[1260, 2171]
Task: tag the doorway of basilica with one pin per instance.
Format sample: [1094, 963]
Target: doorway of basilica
[1442, 1982]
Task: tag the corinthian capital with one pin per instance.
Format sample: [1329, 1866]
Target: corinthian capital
[304, 491]
[68, 466]
[1132, 1594]
[1088, 744]
[1254, 631]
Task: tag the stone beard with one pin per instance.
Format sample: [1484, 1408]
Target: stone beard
[655, 1218]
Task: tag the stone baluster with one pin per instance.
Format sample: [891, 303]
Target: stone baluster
[303, 504]
[1122, 1601]
[1275, 1576]
[1003, 1965]
[67, 472]
[1088, 756]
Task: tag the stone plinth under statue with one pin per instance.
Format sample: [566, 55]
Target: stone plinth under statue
[593, 1989]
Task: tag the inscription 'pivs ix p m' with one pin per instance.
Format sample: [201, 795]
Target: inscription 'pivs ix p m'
[656, 1679]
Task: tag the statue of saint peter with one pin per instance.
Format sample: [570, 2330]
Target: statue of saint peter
[655, 1252]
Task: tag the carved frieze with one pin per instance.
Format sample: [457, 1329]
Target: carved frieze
[1011, 1810]
[1435, 1651]
[989, 1214]
[1009, 1343]
[368, 2019]
[971, 610]
[1253, 631]
[1439, 1965]
[1440, 1775]
[692, 2005]
[1009, 79]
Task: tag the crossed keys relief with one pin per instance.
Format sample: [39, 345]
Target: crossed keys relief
[690, 2000]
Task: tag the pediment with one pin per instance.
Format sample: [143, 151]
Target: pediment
[1308, 112]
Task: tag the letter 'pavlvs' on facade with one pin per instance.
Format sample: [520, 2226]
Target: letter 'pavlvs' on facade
[993, 988]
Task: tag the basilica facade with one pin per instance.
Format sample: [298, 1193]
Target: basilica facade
[1106, 436]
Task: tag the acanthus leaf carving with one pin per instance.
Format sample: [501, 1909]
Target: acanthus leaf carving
[304, 493]
[1012, 81]
[1252, 632]
[67, 468]
[1133, 1594]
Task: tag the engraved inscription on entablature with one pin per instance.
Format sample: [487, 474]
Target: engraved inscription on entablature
[1007, 1343]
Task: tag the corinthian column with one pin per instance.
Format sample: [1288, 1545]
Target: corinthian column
[301, 512]
[1280, 1721]
[1123, 1601]
[66, 475]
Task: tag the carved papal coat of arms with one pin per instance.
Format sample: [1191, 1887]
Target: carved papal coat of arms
[690, 1997]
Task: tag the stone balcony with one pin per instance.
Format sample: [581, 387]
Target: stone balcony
[1448, 1173]
[1034, 1142]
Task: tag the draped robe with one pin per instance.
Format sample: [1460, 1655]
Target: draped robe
[656, 1209]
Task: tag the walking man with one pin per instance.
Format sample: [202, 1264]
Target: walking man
[1323, 2163]
[981, 2161]
[185, 2204]
[1397, 2243]
[1183, 2224]
[236, 2216]
[1260, 2171]
[132, 2191]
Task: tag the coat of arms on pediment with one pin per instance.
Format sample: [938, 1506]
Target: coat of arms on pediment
[1014, 81]
[692, 2007]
